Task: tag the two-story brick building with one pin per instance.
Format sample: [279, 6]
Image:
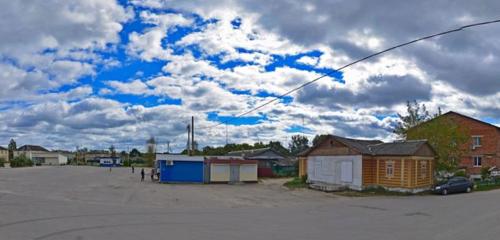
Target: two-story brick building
[483, 148]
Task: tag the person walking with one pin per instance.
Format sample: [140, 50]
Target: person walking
[152, 174]
[142, 175]
[133, 169]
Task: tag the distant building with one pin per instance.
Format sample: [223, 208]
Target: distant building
[4, 154]
[266, 157]
[110, 162]
[41, 156]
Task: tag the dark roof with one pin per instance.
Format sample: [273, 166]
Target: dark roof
[32, 148]
[2, 148]
[376, 147]
[358, 144]
[254, 153]
[399, 148]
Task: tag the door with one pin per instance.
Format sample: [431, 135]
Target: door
[234, 175]
[346, 171]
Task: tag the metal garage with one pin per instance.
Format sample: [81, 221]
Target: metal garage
[180, 168]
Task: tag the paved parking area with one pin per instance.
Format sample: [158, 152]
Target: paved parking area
[93, 203]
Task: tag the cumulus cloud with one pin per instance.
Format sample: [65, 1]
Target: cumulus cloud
[229, 56]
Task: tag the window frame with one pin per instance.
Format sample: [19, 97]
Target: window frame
[479, 141]
[474, 158]
[387, 164]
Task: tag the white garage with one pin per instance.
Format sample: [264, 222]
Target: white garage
[336, 170]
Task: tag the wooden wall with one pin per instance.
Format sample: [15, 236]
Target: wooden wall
[407, 172]
[331, 148]
[302, 166]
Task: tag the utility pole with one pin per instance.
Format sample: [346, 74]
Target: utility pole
[226, 134]
[188, 147]
[192, 135]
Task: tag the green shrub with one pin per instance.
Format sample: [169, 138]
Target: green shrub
[460, 173]
[296, 183]
[485, 173]
[21, 161]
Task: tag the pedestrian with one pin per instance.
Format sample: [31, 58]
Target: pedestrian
[133, 169]
[109, 169]
[142, 175]
[152, 174]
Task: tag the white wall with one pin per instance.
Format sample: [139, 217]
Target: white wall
[328, 169]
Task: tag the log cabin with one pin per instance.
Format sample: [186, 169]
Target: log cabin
[338, 162]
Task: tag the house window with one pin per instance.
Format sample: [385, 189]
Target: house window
[476, 141]
[477, 161]
[389, 169]
[423, 169]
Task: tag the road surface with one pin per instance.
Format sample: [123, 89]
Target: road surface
[93, 203]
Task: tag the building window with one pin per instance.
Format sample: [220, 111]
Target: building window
[476, 141]
[477, 161]
[389, 168]
[423, 169]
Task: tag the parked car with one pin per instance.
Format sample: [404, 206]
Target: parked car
[454, 185]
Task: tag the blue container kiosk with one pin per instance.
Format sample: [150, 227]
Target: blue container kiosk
[180, 168]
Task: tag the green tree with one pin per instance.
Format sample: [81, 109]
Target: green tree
[298, 144]
[446, 137]
[134, 153]
[21, 161]
[416, 114]
[12, 148]
[318, 138]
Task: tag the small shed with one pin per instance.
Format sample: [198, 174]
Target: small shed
[175, 168]
[406, 166]
[231, 170]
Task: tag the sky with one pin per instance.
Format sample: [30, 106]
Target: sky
[97, 73]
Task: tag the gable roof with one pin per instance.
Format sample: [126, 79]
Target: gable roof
[254, 153]
[360, 145]
[2, 148]
[32, 148]
[471, 118]
[376, 147]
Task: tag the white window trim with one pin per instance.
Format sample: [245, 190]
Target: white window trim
[480, 140]
[387, 163]
[474, 161]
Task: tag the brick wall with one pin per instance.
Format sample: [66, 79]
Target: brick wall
[490, 143]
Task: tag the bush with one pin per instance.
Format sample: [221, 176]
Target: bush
[296, 183]
[460, 173]
[485, 173]
[21, 161]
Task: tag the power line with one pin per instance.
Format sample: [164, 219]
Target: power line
[350, 64]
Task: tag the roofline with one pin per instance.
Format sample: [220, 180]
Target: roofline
[329, 136]
[471, 118]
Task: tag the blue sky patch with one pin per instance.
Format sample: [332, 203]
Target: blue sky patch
[298, 129]
[236, 121]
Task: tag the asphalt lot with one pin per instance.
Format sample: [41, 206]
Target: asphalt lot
[93, 203]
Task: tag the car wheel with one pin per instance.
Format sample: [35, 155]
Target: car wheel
[468, 190]
[445, 192]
